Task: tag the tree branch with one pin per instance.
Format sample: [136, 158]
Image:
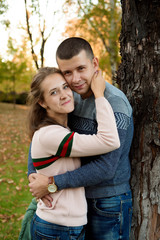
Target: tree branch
[30, 36]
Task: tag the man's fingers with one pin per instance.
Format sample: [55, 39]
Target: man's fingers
[32, 177]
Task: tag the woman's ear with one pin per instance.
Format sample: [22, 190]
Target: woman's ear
[42, 104]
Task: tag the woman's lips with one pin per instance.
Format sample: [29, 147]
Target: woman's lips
[66, 102]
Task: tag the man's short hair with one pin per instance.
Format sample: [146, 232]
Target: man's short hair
[72, 46]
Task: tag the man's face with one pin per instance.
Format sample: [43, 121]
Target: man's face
[78, 72]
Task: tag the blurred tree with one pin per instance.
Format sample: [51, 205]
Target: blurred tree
[3, 11]
[139, 78]
[16, 72]
[39, 30]
[3, 6]
[3, 70]
[99, 23]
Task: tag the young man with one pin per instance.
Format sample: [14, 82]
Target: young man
[106, 177]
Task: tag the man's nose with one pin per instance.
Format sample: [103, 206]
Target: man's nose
[76, 77]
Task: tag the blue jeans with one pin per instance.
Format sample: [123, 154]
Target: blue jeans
[42, 230]
[109, 218]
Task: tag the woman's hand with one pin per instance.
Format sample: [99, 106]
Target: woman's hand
[47, 200]
[98, 84]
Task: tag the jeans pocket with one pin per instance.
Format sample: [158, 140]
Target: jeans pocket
[78, 235]
[104, 220]
[42, 236]
[107, 209]
[42, 230]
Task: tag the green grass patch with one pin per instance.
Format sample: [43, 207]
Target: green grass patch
[14, 144]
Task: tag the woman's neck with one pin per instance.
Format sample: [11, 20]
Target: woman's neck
[61, 119]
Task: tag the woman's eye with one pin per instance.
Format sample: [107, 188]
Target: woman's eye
[66, 86]
[53, 93]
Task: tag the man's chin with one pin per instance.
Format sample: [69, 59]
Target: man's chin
[86, 94]
[79, 91]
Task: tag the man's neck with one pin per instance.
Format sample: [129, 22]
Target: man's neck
[87, 94]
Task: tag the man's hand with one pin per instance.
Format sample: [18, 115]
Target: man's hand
[38, 185]
[32, 177]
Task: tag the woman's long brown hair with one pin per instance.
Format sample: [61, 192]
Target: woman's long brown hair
[37, 116]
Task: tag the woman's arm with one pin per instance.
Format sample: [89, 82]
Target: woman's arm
[60, 142]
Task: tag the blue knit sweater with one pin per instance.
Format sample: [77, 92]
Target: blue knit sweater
[105, 175]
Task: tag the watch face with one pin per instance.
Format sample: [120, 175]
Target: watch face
[52, 188]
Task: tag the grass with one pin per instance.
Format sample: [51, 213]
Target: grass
[14, 192]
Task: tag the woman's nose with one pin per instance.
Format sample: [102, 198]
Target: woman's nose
[63, 94]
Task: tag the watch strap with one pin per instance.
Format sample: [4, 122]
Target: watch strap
[50, 180]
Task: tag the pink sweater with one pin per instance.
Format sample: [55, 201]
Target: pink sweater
[55, 142]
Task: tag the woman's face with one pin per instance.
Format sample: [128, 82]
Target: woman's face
[58, 97]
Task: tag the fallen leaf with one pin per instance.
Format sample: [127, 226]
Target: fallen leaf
[22, 180]
[21, 217]
[10, 181]
[18, 188]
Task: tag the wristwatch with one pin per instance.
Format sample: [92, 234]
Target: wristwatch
[52, 187]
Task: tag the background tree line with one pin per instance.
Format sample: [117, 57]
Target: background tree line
[99, 20]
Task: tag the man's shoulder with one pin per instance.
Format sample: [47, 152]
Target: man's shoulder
[115, 96]
[117, 99]
[114, 92]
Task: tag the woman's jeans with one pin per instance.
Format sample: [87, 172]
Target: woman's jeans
[109, 218]
[42, 230]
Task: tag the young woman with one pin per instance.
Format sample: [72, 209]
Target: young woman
[55, 149]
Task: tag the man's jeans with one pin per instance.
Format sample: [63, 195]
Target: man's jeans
[109, 218]
[42, 230]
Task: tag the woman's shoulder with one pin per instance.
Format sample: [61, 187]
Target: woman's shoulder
[51, 131]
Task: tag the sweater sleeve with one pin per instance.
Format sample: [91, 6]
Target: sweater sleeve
[60, 142]
[31, 168]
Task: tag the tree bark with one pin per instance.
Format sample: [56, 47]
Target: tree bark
[139, 78]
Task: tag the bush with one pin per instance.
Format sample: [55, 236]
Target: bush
[2, 96]
[13, 97]
[21, 98]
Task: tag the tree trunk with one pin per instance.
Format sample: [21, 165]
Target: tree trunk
[139, 78]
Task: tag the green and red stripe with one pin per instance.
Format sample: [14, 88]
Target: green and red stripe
[64, 150]
[65, 146]
[40, 163]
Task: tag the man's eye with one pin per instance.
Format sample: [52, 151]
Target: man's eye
[81, 68]
[66, 86]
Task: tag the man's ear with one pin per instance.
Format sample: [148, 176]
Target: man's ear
[42, 104]
[95, 63]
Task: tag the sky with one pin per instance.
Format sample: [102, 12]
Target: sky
[16, 14]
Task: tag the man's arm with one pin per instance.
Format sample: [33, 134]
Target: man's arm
[98, 170]
[31, 168]
[104, 167]
[34, 177]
